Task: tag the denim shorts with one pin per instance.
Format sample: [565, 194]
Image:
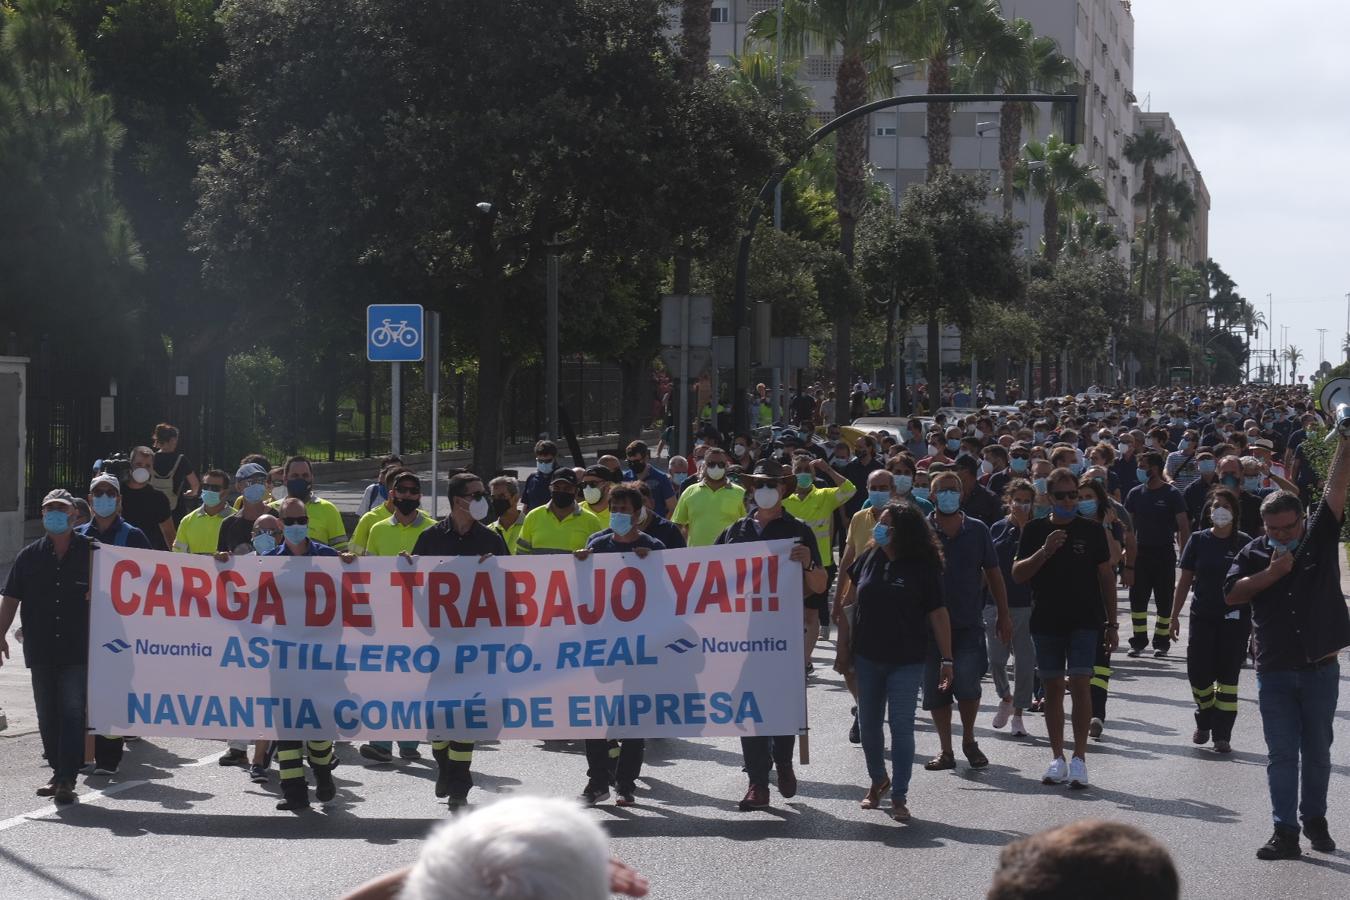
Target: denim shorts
[970, 660]
[1072, 654]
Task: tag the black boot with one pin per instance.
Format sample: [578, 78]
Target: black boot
[1315, 830]
[1283, 844]
[294, 794]
[324, 788]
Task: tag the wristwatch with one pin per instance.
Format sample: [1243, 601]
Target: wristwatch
[945, 662]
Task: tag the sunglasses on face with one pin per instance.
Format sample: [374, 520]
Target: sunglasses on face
[105, 493]
[476, 495]
[295, 520]
[1064, 495]
[213, 487]
[408, 491]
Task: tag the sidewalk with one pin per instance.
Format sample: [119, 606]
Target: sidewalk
[16, 690]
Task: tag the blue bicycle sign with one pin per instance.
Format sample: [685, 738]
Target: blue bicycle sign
[394, 332]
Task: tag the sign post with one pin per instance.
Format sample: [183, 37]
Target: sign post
[687, 339]
[394, 335]
[433, 375]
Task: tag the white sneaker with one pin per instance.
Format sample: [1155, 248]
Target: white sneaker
[1018, 729]
[1058, 773]
[1005, 708]
[1078, 773]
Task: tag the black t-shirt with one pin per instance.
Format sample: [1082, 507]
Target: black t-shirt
[982, 504]
[53, 595]
[146, 508]
[605, 542]
[1155, 514]
[895, 597]
[1006, 536]
[1210, 558]
[441, 539]
[1302, 617]
[164, 464]
[1066, 593]
[236, 534]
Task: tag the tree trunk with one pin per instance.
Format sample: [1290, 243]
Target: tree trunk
[934, 368]
[939, 114]
[1045, 374]
[850, 157]
[1009, 140]
[1160, 277]
[1148, 221]
[695, 38]
[1050, 221]
[634, 400]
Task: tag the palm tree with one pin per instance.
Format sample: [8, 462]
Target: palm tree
[1149, 149]
[1085, 234]
[864, 34]
[936, 31]
[1292, 355]
[1173, 208]
[1062, 182]
[695, 38]
[1010, 58]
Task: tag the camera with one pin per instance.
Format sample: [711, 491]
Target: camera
[118, 465]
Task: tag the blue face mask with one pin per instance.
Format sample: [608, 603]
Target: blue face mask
[921, 493]
[679, 477]
[1019, 465]
[904, 484]
[1087, 508]
[1184, 445]
[1040, 485]
[621, 523]
[1141, 475]
[104, 506]
[879, 498]
[881, 534]
[1076, 468]
[1042, 512]
[1040, 437]
[1287, 546]
[210, 498]
[1252, 484]
[948, 501]
[1206, 466]
[296, 533]
[953, 444]
[1230, 481]
[803, 480]
[56, 521]
[255, 492]
[264, 543]
[545, 467]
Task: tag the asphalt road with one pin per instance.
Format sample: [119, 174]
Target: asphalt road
[173, 824]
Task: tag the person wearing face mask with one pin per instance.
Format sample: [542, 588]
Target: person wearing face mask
[107, 525]
[1207, 477]
[537, 490]
[1219, 635]
[1181, 463]
[48, 586]
[256, 459]
[1006, 534]
[236, 532]
[708, 506]
[653, 524]
[976, 499]
[199, 531]
[361, 533]
[914, 439]
[896, 593]
[816, 507]
[770, 522]
[507, 517]
[677, 469]
[325, 522]
[971, 564]
[561, 526]
[1066, 559]
[1019, 467]
[1160, 525]
[595, 487]
[143, 506]
[1291, 580]
[911, 485]
[641, 469]
[377, 492]
[617, 762]
[1126, 467]
[994, 472]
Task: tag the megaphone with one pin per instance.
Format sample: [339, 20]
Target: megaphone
[1335, 401]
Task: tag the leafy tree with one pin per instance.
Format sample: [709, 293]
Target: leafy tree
[1292, 356]
[1173, 207]
[1149, 149]
[1060, 181]
[1079, 303]
[596, 151]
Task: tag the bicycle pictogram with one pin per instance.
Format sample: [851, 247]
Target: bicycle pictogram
[389, 332]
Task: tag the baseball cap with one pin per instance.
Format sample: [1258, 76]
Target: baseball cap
[110, 480]
[250, 470]
[60, 495]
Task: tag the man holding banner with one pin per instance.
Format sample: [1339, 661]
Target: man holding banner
[770, 522]
[460, 534]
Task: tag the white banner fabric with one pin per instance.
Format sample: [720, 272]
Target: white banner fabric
[686, 643]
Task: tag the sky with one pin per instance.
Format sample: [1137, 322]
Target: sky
[1225, 69]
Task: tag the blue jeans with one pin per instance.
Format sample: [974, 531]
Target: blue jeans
[897, 686]
[1297, 712]
[59, 693]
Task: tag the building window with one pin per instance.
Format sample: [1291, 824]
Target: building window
[721, 14]
[884, 131]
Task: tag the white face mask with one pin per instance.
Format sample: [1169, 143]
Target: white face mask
[986, 468]
[478, 508]
[140, 475]
[766, 497]
[715, 473]
[592, 495]
[738, 450]
[1221, 517]
[1125, 448]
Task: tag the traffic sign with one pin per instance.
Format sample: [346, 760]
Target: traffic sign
[394, 332]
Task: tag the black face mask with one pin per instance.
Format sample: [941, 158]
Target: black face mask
[297, 487]
[407, 505]
[500, 505]
[563, 500]
[636, 467]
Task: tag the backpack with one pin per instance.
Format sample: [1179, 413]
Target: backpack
[164, 483]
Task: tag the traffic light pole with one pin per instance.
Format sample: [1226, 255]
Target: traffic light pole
[740, 312]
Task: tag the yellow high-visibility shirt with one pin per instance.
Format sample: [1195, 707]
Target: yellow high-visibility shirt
[601, 514]
[509, 535]
[391, 537]
[543, 532]
[817, 508]
[199, 532]
[325, 524]
[361, 535]
[707, 512]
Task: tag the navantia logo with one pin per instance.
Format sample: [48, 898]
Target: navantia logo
[116, 646]
[683, 645]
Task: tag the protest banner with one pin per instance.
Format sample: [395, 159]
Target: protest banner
[686, 643]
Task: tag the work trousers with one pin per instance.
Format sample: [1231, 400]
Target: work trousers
[453, 759]
[1101, 680]
[290, 762]
[59, 694]
[1214, 654]
[1155, 577]
[615, 762]
[761, 754]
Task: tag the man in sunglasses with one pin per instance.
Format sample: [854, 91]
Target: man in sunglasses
[461, 533]
[639, 469]
[389, 537]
